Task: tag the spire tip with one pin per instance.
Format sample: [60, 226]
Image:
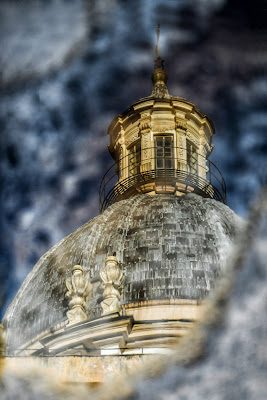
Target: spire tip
[159, 76]
[157, 47]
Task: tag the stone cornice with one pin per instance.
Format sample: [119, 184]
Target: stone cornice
[145, 320]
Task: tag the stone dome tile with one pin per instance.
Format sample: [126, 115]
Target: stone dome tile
[169, 247]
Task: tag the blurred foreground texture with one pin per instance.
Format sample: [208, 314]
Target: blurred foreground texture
[67, 67]
[224, 357]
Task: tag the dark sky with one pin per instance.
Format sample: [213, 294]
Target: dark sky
[68, 67]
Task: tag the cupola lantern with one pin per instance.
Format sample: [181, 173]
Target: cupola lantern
[161, 144]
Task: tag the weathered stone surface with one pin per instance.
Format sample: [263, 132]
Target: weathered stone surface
[169, 247]
[224, 359]
[80, 369]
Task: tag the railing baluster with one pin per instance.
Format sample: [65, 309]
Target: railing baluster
[110, 193]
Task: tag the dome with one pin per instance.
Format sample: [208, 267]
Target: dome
[169, 247]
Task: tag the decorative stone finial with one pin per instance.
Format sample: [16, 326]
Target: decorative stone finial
[112, 279]
[159, 76]
[79, 289]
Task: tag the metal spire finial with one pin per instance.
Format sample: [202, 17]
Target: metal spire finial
[159, 76]
[157, 47]
[158, 61]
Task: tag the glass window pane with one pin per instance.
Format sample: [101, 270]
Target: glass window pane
[134, 157]
[160, 152]
[168, 141]
[168, 152]
[159, 140]
[159, 163]
[192, 159]
[168, 163]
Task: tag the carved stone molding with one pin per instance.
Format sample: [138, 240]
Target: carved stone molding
[131, 140]
[163, 128]
[119, 142]
[112, 279]
[192, 138]
[146, 166]
[181, 151]
[145, 114]
[160, 91]
[181, 124]
[79, 290]
[179, 115]
[146, 145]
[144, 125]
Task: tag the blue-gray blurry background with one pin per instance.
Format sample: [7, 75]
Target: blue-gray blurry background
[67, 67]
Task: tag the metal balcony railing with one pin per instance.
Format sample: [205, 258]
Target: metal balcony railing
[192, 173]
